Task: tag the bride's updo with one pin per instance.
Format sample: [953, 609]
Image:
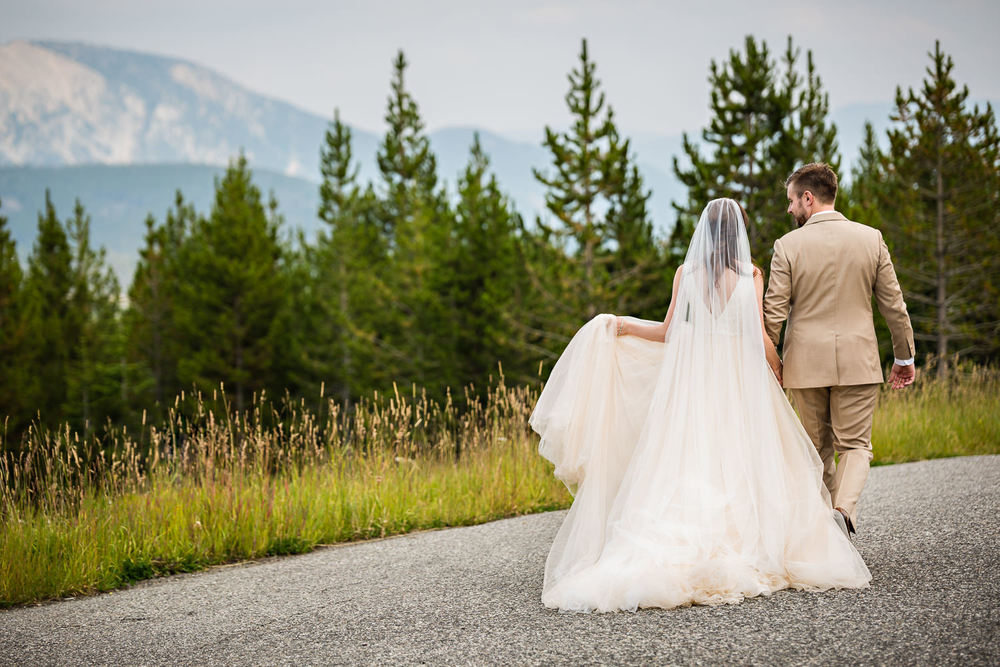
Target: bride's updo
[723, 217]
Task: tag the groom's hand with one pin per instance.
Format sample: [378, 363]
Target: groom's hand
[902, 376]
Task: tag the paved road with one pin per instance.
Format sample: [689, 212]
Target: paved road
[471, 596]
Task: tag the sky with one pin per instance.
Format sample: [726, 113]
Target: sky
[503, 65]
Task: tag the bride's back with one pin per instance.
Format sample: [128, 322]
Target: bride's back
[716, 294]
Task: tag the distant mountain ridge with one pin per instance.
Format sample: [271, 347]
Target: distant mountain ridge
[69, 103]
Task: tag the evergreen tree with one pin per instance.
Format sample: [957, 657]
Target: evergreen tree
[346, 269]
[943, 182]
[50, 330]
[486, 269]
[94, 373]
[747, 118]
[405, 160]
[864, 198]
[807, 133]
[417, 338]
[762, 128]
[230, 308]
[12, 369]
[641, 268]
[588, 165]
[597, 254]
[152, 331]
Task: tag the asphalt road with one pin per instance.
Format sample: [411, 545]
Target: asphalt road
[930, 534]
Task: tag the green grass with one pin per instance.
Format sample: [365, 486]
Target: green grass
[284, 480]
[178, 525]
[937, 419]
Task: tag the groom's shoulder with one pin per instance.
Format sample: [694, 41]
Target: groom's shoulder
[859, 229]
[836, 222]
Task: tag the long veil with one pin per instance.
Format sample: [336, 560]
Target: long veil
[694, 480]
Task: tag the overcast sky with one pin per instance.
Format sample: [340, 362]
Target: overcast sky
[502, 65]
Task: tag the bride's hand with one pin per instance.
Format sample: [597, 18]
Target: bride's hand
[621, 326]
[777, 373]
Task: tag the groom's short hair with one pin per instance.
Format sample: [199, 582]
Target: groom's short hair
[816, 177]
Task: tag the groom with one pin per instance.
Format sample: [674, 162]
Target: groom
[823, 277]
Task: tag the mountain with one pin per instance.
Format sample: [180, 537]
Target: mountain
[68, 103]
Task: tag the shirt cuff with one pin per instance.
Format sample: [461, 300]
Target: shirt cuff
[904, 362]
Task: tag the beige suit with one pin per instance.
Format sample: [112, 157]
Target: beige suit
[823, 277]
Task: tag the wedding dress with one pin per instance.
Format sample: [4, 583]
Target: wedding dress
[693, 480]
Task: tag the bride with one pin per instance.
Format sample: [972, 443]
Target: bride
[693, 480]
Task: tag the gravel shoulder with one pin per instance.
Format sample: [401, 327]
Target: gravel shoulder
[930, 533]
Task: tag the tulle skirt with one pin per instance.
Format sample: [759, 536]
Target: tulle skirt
[690, 486]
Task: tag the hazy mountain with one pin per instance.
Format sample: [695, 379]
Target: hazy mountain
[69, 103]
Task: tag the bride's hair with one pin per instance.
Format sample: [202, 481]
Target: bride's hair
[724, 236]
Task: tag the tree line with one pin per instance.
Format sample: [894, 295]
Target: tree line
[411, 285]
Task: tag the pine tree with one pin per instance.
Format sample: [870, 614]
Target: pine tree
[346, 269]
[417, 339]
[50, 330]
[94, 374]
[943, 176]
[12, 369]
[864, 198]
[762, 128]
[152, 331]
[641, 267]
[595, 252]
[747, 116]
[486, 269]
[230, 308]
[807, 134]
[405, 160]
[588, 163]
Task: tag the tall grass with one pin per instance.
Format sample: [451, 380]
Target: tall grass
[939, 418]
[217, 486]
[211, 486]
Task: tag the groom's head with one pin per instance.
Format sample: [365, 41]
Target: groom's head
[811, 188]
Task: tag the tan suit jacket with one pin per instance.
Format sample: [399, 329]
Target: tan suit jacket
[823, 277]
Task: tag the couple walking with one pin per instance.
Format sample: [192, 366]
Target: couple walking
[694, 481]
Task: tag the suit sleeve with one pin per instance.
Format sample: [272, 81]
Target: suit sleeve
[889, 298]
[779, 292]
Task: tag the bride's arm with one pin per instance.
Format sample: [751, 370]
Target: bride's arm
[769, 350]
[655, 332]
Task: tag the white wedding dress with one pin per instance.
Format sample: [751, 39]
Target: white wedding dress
[693, 480]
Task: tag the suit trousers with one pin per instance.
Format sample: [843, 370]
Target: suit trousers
[839, 420]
